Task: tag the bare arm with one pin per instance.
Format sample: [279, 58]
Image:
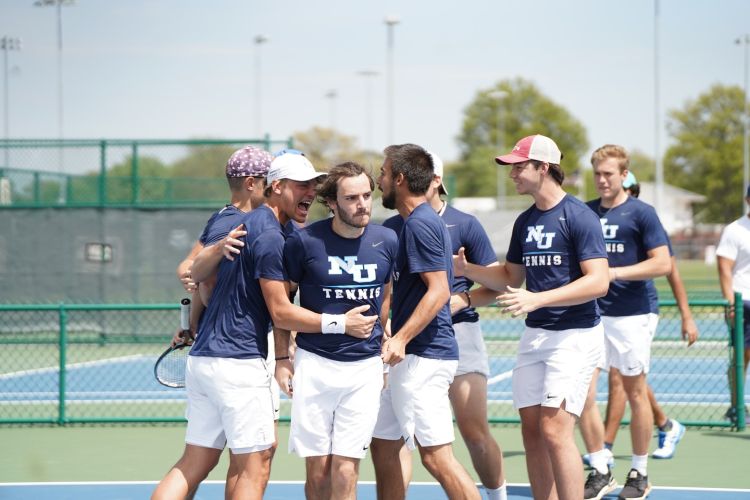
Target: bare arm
[593, 284]
[206, 263]
[658, 263]
[183, 268]
[385, 309]
[495, 276]
[480, 297]
[725, 280]
[292, 317]
[437, 295]
[689, 328]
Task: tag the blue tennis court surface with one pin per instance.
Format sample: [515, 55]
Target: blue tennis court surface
[214, 490]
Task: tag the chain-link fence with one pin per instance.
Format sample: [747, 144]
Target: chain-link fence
[118, 173]
[94, 363]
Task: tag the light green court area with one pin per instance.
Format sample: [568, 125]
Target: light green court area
[705, 458]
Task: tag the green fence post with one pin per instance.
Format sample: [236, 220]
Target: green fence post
[68, 189]
[134, 174]
[63, 338]
[267, 142]
[37, 189]
[290, 142]
[739, 366]
[102, 173]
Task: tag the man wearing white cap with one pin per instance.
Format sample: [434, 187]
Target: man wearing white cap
[558, 249]
[468, 391]
[229, 401]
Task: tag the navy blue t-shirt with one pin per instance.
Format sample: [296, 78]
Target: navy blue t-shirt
[220, 223]
[465, 231]
[630, 231]
[236, 322]
[336, 274]
[423, 246]
[550, 244]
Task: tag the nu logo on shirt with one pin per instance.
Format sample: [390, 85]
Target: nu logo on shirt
[349, 264]
[543, 240]
[609, 230]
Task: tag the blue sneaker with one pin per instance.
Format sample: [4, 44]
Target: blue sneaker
[668, 441]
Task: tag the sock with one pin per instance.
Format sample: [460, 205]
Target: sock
[598, 461]
[640, 463]
[667, 426]
[498, 493]
[608, 445]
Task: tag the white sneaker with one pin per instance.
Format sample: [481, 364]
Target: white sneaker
[668, 441]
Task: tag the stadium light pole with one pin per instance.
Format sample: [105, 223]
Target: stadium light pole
[499, 96]
[368, 75]
[259, 40]
[60, 106]
[7, 43]
[390, 22]
[745, 122]
[331, 95]
[659, 168]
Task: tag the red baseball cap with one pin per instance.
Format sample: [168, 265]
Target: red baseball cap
[534, 147]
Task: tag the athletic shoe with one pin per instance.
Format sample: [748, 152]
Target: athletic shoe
[636, 487]
[598, 485]
[610, 459]
[668, 440]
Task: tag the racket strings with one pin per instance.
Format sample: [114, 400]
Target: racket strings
[170, 370]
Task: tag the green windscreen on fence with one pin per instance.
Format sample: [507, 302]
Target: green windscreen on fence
[94, 363]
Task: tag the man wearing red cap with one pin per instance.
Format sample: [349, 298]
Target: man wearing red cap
[558, 249]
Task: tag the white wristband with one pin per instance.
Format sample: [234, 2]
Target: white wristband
[333, 323]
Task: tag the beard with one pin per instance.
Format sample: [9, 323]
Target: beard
[389, 200]
[352, 221]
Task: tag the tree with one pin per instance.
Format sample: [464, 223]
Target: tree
[516, 108]
[706, 156]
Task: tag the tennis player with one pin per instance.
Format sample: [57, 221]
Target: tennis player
[339, 263]
[557, 247]
[468, 392]
[637, 250]
[245, 171]
[422, 353]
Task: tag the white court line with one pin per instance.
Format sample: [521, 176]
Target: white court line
[42, 371]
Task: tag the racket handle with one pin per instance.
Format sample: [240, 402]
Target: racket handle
[185, 314]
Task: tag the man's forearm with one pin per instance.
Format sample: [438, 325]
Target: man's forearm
[206, 263]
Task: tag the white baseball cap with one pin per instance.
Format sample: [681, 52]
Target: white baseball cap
[292, 166]
[437, 168]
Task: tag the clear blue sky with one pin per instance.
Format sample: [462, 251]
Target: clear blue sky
[184, 69]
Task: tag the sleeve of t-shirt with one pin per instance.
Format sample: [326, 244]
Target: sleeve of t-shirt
[392, 249]
[588, 237]
[477, 244]
[515, 249]
[268, 254]
[728, 247]
[204, 235]
[653, 232]
[424, 247]
[294, 261]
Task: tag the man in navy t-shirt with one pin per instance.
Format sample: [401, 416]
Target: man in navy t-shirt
[245, 171]
[468, 391]
[339, 263]
[637, 249]
[557, 248]
[422, 353]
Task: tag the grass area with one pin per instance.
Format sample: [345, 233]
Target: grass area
[701, 281]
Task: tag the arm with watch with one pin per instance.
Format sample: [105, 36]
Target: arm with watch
[477, 297]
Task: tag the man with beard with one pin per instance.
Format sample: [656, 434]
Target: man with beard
[338, 263]
[422, 353]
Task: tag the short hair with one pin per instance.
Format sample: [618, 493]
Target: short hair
[414, 162]
[555, 170]
[236, 183]
[635, 190]
[611, 151]
[329, 188]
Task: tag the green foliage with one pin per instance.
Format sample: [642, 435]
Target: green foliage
[643, 166]
[204, 161]
[706, 156]
[492, 125]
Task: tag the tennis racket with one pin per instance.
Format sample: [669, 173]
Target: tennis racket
[169, 369]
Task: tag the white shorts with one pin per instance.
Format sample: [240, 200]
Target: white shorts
[628, 342]
[229, 402]
[415, 403]
[472, 353]
[556, 366]
[271, 364]
[335, 405]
